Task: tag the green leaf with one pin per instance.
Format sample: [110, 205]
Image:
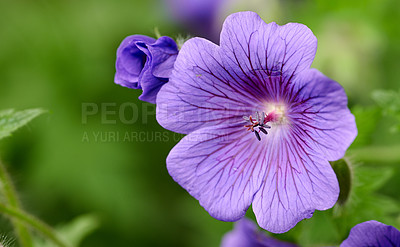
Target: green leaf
[367, 121]
[365, 199]
[389, 101]
[79, 228]
[320, 230]
[11, 120]
[377, 154]
[370, 179]
[75, 231]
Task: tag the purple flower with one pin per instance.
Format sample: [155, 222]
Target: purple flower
[372, 233]
[278, 162]
[145, 63]
[246, 234]
[200, 17]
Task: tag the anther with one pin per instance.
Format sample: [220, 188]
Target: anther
[263, 130]
[257, 135]
[257, 125]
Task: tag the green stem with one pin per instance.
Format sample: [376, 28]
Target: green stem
[34, 223]
[388, 154]
[9, 192]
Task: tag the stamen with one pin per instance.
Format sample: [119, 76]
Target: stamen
[263, 131]
[262, 118]
[259, 124]
[257, 135]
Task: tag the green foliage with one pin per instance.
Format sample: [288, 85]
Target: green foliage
[320, 231]
[74, 231]
[344, 174]
[366, 202]
[366, 120]
[363, 202]
[62, 53]
[5, 241]
[11, 120]
[389, 101]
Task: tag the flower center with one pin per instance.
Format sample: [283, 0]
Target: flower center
[258, 124]
[277, 113]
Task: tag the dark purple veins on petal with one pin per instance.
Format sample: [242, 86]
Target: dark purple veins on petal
[283, 172]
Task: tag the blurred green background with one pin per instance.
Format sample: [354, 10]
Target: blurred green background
[59, 55]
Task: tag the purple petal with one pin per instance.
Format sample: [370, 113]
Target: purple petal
[157, 54]
[200, 17]
[150, 84]
[253, 45]
[243, 235]
[130, 61]
[213, 164]
[163, 52]
[372, 233]
[145, 63]
[201, 92]
[264, 68]
[246, 234]
[212, 84]
[321, 115]
[298, 181]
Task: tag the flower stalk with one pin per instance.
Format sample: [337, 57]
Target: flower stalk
[381, 154]
[21, 219]
[9, 192]
[35, 223]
